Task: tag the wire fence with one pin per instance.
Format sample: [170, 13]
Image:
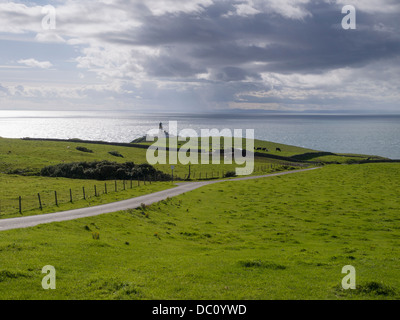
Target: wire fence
[49, 198]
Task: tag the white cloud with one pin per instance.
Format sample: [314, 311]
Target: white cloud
[19, 18]
[33, 63]
[243, 10]
[160, 7]
[373, 6]
[292, 9]
[49, 37]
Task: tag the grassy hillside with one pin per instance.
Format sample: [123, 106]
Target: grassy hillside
[284, 237]
[273, 151]
[29, 156]
[21, 160]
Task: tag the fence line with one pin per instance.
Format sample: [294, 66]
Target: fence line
[42, 200]
[26, 203]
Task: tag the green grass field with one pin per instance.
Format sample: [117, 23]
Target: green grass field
[27, 157]
[282, 237]
[30, 156]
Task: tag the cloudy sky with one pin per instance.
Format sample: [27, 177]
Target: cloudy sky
[200, 55]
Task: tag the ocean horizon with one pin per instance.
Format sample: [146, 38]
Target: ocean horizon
[340, 133]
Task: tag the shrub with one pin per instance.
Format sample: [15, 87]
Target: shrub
[230, 174]
[103, 170]
[83, 149]
[121, 173]
[116, 154]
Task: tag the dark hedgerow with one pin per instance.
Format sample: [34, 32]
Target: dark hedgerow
[104, 170]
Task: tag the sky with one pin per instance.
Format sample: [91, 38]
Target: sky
[200, 56]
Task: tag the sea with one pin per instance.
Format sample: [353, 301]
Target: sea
[339, 133]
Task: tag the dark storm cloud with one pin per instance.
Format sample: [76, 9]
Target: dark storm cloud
[234, 74]
[203, 52]
[167, 66]
[225, 43]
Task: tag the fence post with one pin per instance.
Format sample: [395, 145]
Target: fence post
[40, 202]
[95, 191]
[105, 187]
[55, 196]
[115, 183]
[84, 195]
[20, 204]
[70, 195]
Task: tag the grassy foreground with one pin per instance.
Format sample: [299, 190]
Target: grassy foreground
[284, 237]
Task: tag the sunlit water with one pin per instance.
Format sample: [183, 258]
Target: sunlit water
[367, 134]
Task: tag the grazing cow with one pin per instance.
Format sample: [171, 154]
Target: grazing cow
[278, 149]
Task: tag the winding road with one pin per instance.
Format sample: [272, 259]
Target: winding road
[30, 221]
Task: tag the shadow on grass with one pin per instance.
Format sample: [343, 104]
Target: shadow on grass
[373, 289]
[261, 264]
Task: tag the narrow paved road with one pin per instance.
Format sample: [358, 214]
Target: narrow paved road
[30, 221]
